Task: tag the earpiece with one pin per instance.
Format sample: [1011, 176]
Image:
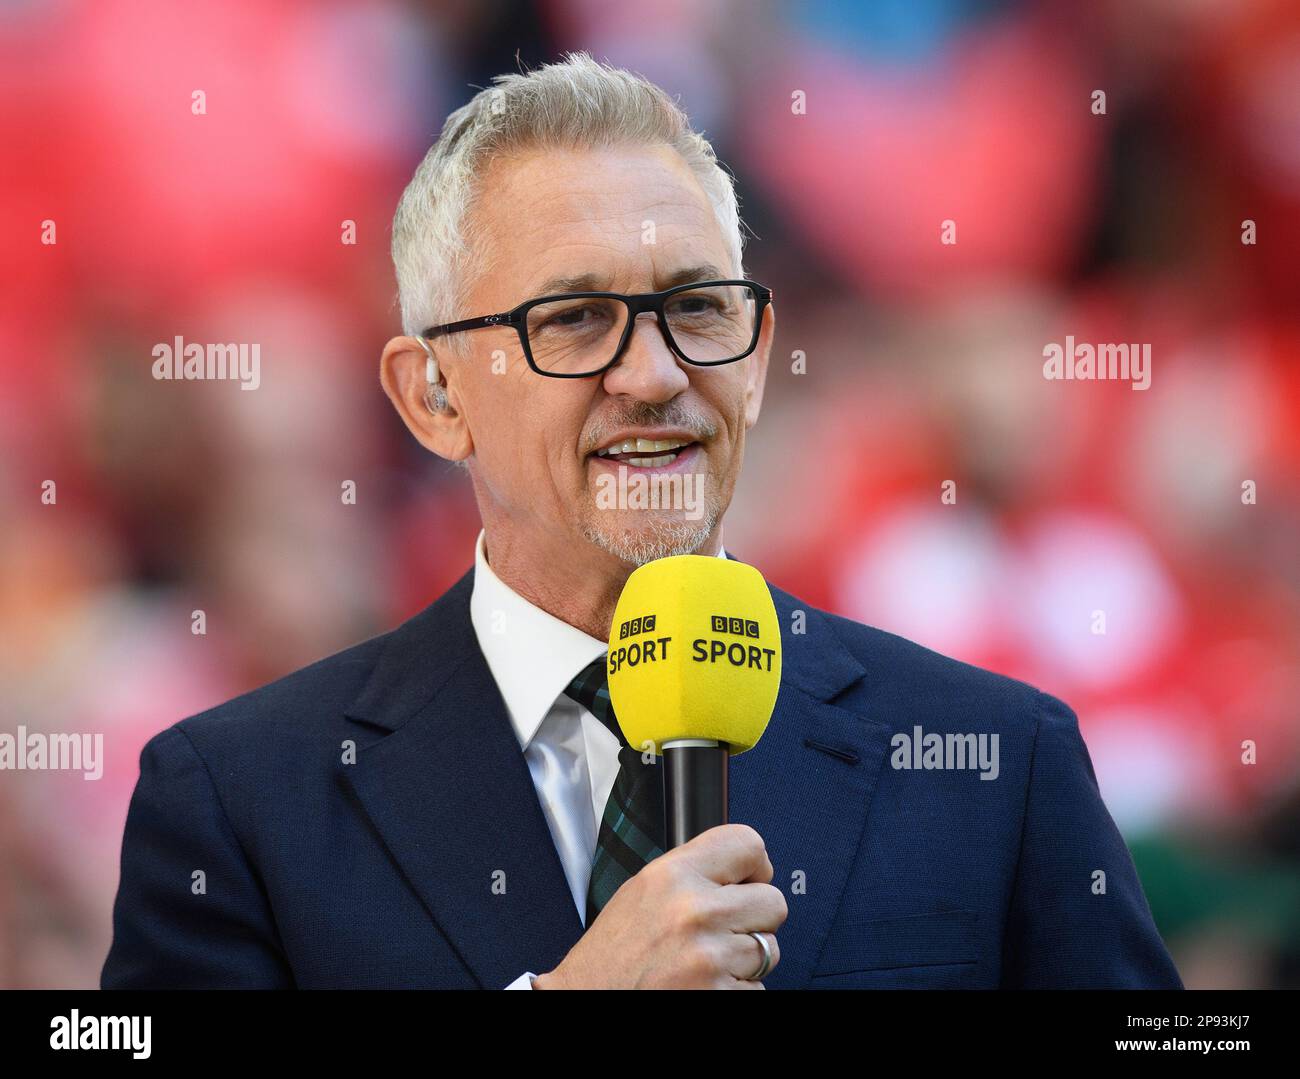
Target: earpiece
[431, 365]
[435, 397]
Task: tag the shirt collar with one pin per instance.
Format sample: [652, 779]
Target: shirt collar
[532, 655]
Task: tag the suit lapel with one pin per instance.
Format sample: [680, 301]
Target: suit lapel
[450, 793]
[805, 787]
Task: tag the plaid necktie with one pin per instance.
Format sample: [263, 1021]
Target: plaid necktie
[632, 827]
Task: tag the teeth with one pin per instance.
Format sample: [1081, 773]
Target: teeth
[642, 445]
[652, 462]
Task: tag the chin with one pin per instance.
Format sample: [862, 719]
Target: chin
[662, 539]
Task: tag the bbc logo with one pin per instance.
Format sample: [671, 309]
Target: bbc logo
[737, 627]
[633, 626]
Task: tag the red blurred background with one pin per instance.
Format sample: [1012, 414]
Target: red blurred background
[923, 365]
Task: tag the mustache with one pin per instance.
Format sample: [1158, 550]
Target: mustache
[674, 413]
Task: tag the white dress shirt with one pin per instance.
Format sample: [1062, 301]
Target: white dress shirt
[572, 756]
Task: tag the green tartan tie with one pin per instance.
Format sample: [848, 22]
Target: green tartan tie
[632, 827]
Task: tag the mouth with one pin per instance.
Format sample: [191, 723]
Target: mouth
[669, 452]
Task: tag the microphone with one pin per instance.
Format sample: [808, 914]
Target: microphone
[694, 666]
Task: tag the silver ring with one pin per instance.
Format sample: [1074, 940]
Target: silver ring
[766, 965]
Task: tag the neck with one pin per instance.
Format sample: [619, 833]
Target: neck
[578, 584]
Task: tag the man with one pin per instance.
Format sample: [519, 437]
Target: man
[450, 805]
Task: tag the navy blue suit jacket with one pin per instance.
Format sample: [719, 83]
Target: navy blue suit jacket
[318, 871]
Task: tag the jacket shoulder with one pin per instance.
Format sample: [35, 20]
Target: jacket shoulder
[307, 711]
[897, 668]
[289, 708]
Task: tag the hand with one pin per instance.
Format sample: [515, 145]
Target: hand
[683, 921]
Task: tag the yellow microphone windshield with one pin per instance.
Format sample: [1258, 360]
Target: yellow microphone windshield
[694, 652]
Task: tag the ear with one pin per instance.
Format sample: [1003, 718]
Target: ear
[403, 373]
[756, 377]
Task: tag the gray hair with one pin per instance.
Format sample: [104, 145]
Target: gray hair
[574, 103]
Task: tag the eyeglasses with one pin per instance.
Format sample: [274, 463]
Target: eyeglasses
[580, 334]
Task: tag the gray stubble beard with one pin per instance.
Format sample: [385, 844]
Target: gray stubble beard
[685, 537]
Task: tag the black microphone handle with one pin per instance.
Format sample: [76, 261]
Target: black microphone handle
[695, 788]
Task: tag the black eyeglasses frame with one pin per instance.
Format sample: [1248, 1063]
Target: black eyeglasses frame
[637, 303]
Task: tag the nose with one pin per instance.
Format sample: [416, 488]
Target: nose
[647, 369]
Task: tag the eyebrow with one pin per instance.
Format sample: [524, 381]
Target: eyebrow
[590, 282]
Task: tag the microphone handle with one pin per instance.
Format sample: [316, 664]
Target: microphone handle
[695, 788]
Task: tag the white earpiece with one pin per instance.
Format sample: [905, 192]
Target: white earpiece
[431, 365]
[435, 397]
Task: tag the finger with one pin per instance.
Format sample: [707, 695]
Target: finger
[744, 956]
[743, 908]
[762, 872]
[729, 854]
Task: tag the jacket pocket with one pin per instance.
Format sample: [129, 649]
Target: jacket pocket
[914, 940]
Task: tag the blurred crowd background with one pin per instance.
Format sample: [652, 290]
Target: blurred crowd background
[923, 364]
